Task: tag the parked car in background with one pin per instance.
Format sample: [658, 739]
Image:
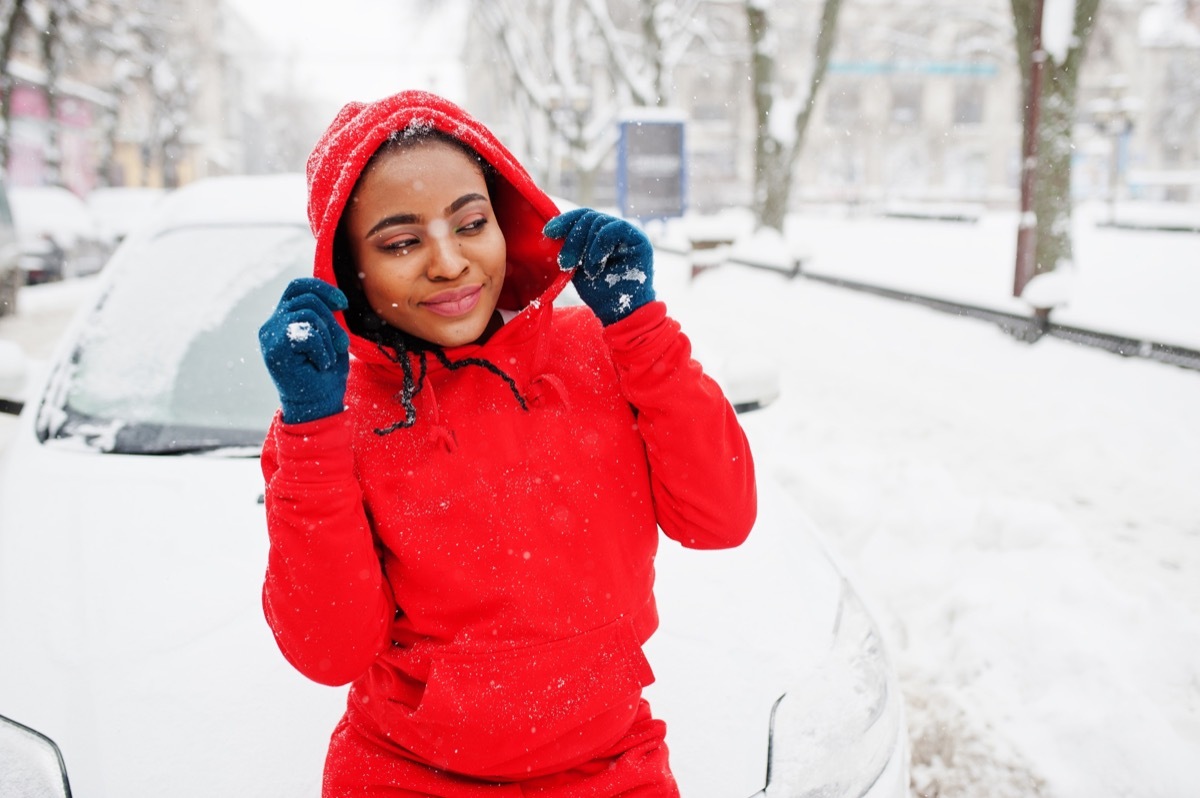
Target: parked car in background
[57, 234]
[120, 209]
[11, 276]
[134, 545]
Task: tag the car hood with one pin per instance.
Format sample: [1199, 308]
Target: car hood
[739, 628]
[133, 635]
[132, 630]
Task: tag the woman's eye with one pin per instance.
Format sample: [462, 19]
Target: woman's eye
[401, 245]
[473, 225]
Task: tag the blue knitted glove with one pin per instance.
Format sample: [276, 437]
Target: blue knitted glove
[307, 351]
[613, 261]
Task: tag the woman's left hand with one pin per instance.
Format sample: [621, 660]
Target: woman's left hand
[613, 261]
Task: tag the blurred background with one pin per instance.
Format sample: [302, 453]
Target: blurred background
[925, 109]
[882, 101]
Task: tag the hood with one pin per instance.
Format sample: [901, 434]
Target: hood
[521, 208]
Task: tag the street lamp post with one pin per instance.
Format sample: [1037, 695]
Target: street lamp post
[1027, 226]
[1112, 114]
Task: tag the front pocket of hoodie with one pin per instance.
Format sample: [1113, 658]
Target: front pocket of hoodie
[483, 709]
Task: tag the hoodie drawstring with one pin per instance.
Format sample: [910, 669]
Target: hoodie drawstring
[414, 383]
[452, 365]
[412, 386]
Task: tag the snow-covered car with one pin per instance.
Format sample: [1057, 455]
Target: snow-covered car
[11, 276]
[57, 233]
[133, 545]
[118, 210]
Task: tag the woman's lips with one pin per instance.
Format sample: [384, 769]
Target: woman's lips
[454, 302]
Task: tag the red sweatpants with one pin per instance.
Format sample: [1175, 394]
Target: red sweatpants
[635, 767]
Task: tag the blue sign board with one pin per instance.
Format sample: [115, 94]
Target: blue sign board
[651, 168]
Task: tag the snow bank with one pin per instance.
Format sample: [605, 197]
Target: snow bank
[1050, 289]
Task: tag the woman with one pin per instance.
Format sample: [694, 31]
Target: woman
[465, 483]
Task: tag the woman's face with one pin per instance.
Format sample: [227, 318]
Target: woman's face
[429, 252]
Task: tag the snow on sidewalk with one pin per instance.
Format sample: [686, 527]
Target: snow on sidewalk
[1140, 283]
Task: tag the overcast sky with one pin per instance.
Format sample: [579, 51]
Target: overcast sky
[363, 49]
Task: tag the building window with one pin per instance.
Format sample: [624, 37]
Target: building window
[966, 173]
[906, 104]
[843, 101]
[969, 98]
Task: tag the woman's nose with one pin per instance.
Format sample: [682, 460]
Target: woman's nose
[446, 260]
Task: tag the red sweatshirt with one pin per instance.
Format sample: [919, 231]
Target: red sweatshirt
[483, 578]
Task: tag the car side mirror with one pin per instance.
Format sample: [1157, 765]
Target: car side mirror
[30, 763]
[14, 371]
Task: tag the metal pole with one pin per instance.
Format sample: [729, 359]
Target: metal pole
[1027, 226]
[1114, 166]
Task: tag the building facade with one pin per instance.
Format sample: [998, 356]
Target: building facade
[922, 101]
[191, 104]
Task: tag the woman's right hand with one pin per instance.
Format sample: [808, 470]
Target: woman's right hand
[306, 351]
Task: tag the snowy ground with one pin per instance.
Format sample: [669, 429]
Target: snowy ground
[1023, 518]
[1026, 518]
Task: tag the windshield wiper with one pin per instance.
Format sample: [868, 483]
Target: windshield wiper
[118, 437]
[168, 441]
[184, 448]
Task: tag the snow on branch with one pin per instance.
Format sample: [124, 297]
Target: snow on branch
[643, 92]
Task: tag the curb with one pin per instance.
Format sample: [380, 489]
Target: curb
[1032, 328]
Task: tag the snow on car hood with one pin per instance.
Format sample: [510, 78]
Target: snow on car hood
[133, 634]
[739, 627]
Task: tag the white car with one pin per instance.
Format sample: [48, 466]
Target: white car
[11, 275]
[133, 546]
[57, 233]
[119, 210]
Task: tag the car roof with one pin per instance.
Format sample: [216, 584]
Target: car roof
[50, 209]
[234, 200]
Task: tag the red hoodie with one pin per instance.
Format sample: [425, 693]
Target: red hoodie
[483, 578]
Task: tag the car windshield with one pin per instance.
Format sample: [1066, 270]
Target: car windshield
[168, 363]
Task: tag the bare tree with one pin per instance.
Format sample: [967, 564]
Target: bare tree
[151, 57]
[60, 27]
[66, 31]
[51, 32]
[572, 71]
[1055, 112]
[124, 39]
[14, 19]
[577, 64]
[781, 121]
[126, 48]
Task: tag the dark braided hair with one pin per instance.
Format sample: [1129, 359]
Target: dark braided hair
[363, 321]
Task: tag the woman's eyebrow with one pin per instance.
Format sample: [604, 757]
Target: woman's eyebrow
[399, 218]
[463, 200]
[415, 218]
